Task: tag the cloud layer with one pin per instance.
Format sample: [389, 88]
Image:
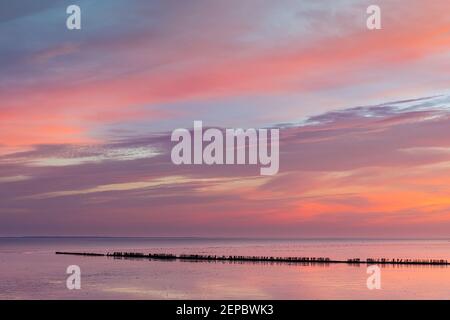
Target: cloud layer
[376, 171]
[86, 116]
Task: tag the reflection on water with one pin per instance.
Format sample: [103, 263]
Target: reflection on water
[30, 269]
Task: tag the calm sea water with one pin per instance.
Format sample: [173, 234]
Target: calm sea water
[29, 269]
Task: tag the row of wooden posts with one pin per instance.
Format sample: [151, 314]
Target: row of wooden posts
[324, 260]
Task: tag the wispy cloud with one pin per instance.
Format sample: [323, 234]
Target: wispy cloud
[356, 169]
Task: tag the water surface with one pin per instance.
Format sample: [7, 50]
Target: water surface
[29, 269]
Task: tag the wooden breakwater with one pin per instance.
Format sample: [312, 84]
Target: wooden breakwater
[321, 260]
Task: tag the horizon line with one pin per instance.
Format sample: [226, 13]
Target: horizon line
[221, 238]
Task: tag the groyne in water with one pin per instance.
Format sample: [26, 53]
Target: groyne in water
[321, 260]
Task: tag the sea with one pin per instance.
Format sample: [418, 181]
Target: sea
[30, 269]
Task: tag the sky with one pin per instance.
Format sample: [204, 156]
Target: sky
[86, 117]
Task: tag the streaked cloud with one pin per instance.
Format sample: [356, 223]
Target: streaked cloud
[120, 154]
[13, 179]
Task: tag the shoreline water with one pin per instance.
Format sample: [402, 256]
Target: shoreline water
[31, 269]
